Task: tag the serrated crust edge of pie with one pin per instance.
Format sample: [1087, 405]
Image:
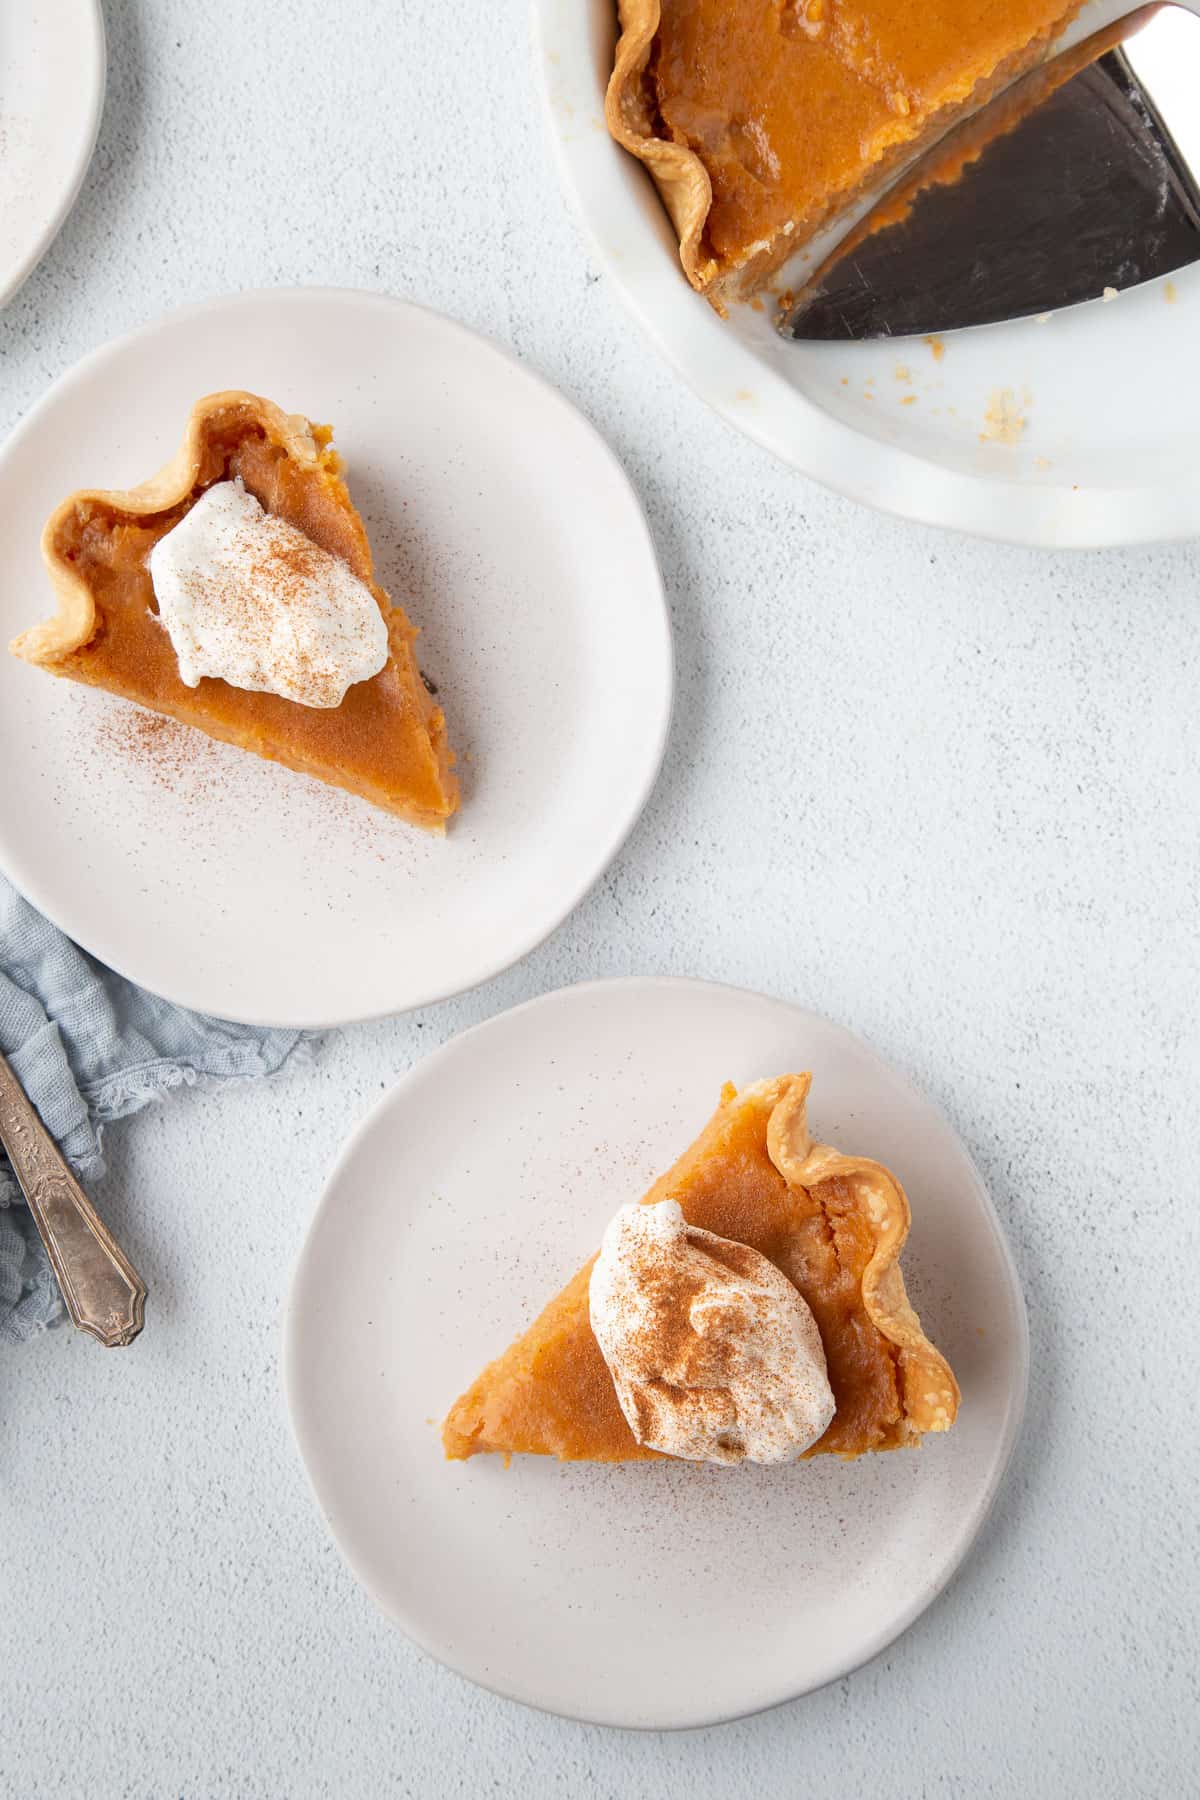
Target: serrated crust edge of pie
[677, 172]
[929, 1392]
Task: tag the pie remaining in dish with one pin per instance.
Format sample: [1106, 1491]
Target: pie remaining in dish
[763, 121]
[385, 741]
[833, 1224]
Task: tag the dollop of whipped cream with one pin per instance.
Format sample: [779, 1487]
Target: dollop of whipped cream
[714, 1354]
[249, 598]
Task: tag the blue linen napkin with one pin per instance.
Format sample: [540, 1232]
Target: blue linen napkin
[88, 1047]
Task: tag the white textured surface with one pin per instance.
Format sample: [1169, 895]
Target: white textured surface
[941, 791]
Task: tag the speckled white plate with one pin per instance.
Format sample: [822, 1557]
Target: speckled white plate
[506, 526]
[1102, 402]
[656, 1595]
[51, 98]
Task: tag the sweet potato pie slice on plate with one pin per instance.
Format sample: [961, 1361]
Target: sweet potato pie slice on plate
[754, 1188]
[282, 539]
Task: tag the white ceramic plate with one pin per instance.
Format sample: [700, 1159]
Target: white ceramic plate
[1109, 395]
[506, 526]
[51, 97]
[655, 1595]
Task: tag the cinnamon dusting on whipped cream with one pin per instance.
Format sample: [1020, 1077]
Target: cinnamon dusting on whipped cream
[248, 598]
[713, 1352]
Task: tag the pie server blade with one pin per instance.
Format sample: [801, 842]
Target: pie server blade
[1077, 180]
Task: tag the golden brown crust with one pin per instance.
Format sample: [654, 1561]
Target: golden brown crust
[677, 172]
[75, 621]
[930, 1393]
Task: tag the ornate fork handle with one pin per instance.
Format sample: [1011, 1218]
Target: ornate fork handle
[104, 1293]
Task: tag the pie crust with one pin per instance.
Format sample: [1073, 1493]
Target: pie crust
[386, 741]
[834, 1224]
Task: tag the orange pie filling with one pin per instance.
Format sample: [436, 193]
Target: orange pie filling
[832, 1224]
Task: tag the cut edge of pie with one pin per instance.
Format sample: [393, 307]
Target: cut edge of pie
[684, 183]
[534, 1397]
[268, 725]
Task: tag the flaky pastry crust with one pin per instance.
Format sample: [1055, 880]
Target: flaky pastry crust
[677, 172]
[929, 1391]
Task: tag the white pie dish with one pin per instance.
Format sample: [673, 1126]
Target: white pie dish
[1109, 452]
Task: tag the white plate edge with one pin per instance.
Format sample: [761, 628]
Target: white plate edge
[62, 212]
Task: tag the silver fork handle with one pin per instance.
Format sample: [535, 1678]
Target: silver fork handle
[104, 1294]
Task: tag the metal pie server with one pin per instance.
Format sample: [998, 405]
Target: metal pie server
[1082, 178]
[104, 1294]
